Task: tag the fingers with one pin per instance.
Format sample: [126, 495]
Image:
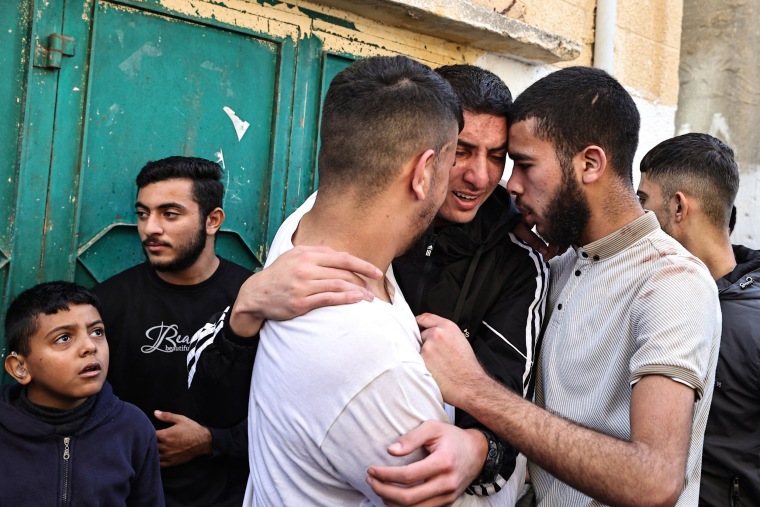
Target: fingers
[167, 416]
[426, 494]
[329, 258]
[428, 320]
[326, 257]
[340, 281]
[523, 231]
[410, 474]
[434, 328]
[421, 436]
[331, 299]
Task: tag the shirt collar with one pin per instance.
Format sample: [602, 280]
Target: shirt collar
[616, 242]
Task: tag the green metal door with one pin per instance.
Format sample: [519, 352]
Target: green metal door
[90, 90]
[160, 86]
[134, 82]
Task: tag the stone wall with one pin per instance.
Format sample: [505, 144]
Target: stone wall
[720, 93]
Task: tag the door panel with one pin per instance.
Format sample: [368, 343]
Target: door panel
[161, 86]
[146, 81]
[15, 28]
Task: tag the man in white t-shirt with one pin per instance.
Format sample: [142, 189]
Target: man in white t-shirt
[333, 388]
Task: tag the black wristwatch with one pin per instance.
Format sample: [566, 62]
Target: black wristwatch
[494, 458]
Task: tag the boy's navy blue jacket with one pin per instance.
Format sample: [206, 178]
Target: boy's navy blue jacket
[112, 460]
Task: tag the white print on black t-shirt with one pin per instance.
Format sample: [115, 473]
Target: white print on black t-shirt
[166, 338]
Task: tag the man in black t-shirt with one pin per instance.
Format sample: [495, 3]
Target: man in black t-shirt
[152, 310]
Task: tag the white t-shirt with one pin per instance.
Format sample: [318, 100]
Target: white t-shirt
[330, 391]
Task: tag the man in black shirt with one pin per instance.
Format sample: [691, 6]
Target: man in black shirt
[690, 183]
[152, 310]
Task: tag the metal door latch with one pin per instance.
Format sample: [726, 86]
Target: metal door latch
[50, 56]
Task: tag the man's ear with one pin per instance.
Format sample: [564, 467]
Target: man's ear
[214, 221]
[14, 365]
[680, 207]
[422, 174]
[592, 162]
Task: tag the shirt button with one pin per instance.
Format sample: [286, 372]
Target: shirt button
[578, 273]
[596, 257]
[584, 254]
[559, 306]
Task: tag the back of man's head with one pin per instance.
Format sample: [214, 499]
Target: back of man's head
[700, 166]
[479, 91]
[578, 107]
[21, 320]
[208, 190]
[378, 113]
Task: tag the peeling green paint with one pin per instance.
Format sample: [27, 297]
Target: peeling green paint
[269, 2]
[328, 19]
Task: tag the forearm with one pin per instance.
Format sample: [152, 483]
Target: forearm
[610, 470]
[230, 441]
[247, 314]
[219, 373]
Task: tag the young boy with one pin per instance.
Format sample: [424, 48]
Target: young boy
[65, 438]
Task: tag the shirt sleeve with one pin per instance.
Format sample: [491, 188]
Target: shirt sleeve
[395, 402]
[219, 366]
[230, 441]
[677, 320]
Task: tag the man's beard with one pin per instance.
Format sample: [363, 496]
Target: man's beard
[666, 223]
[186, 253]
[427, 213]
[567, 213]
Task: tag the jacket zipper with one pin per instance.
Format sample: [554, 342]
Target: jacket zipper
[747, 282]
[66, 456]
[425, 269]
[735, 493]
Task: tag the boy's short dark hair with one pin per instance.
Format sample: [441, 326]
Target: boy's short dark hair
[21, 320]
[377, 113]
[208, 190]
[700, 165]
[578, 107]
[480, 91]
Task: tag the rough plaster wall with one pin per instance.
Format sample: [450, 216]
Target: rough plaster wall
[647, 47]
[570, 18]
[366, 38]
[647, 39]
[720, 92]
[657, 122]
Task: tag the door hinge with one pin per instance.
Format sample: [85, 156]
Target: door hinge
[50, 56]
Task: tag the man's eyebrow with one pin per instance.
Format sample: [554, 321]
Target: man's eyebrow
[165, 205]
[518, 157]
[471, 146]
[465, 144]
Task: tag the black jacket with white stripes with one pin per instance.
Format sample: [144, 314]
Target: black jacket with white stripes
[492, 285]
